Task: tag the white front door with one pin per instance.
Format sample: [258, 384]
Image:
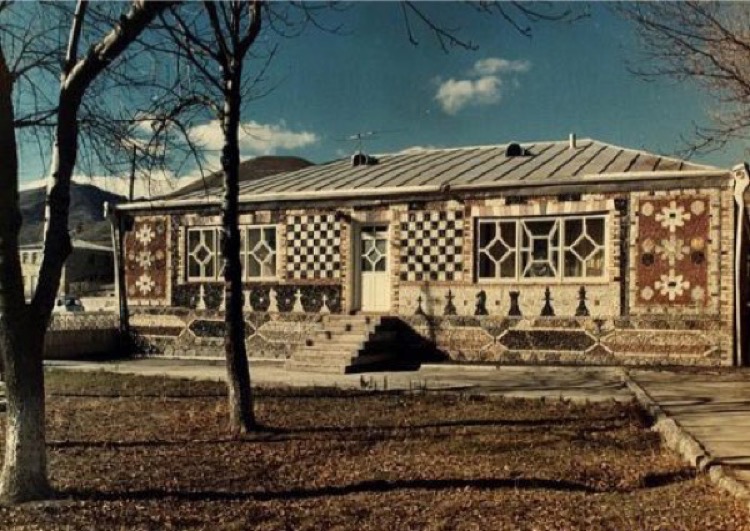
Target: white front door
[373, 265]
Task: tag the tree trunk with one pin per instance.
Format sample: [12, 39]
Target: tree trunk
[241, 415]
[24, 472]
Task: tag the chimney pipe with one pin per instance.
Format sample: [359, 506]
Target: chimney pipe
[572, 140]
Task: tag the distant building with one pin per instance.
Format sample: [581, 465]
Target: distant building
[573, 251]
[88, 271]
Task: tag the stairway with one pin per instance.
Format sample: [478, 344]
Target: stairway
[347, 343]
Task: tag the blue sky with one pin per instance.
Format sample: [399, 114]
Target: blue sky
[566, 78]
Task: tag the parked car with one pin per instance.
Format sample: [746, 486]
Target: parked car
[68, 304]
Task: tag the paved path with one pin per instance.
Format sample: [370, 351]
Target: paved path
[575, 383]
[713, 407]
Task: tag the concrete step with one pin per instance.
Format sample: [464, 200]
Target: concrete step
[324, 336]
[341, 328]
[354, 344]
[346, 343]
[338, 357]
[313, 367]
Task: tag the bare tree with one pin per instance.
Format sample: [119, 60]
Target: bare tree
[23, 326]
[216, 39]
[704, 42]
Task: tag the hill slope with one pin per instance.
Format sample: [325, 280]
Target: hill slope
[250, 169]
[86, 213]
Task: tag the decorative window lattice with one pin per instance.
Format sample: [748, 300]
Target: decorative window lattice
[374, 256]
[560, 247]
[202, 254]
[258, 253]
[313, 247]
[432, 246]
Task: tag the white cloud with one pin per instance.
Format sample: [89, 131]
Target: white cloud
[455, 94]
[483, 86]
[158, 184]
[255, 138]
[491, 66]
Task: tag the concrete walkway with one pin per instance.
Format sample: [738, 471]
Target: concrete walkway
[575, 383]
[711, 407]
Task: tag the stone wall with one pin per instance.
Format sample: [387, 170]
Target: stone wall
[665, 296]
[199, 333]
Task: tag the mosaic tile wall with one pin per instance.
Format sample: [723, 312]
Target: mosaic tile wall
[673, 245]
[672, 252]
[431, 246]
[147, 261]
[590, 341]
[313, 247]
[199, 334]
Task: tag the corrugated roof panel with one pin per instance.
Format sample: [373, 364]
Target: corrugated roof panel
[560, 164]
[438, 174]
[520, 173]
[499, 162]
[485, 161]
[668, 164]
[597, 159]
[404, 160]
[460, 166]
[280, 179]
[414, 171]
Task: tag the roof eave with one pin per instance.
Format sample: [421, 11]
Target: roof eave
[602, 178]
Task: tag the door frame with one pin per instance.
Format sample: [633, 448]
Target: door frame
[357, 264]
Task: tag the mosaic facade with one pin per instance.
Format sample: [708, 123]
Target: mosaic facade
[662, 293]
[313, 247]
[672, 253]
[146, 261]
[432, 246]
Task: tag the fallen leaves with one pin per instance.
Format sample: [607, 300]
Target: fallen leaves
[153, 453]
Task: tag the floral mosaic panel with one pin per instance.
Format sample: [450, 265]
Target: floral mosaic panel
[146, 260]
[672, 250]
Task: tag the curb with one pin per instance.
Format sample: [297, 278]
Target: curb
[680, 441]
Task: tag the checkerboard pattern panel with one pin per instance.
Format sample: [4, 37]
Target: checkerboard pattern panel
[432, 246]
[313, 247]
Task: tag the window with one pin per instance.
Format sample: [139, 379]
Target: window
[257, 253]
[202, 252]
[550, 247]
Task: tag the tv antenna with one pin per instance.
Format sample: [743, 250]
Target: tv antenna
[360, 136]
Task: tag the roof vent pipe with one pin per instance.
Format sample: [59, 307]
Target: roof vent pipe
[572, 139]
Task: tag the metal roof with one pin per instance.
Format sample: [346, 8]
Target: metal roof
[464, 167]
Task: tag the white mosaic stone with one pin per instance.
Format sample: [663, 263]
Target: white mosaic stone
[697, 207]
[145, 234]
[672, 285]
[145, 284]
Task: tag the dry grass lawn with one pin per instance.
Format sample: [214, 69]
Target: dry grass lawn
[147, 453]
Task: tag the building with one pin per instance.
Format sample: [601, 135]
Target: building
[88, 271]
[546, 252]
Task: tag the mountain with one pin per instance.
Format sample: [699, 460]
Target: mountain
[250, 170]
[87, 200]
[86, 213]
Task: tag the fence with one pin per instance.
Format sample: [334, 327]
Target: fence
[81, 335]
